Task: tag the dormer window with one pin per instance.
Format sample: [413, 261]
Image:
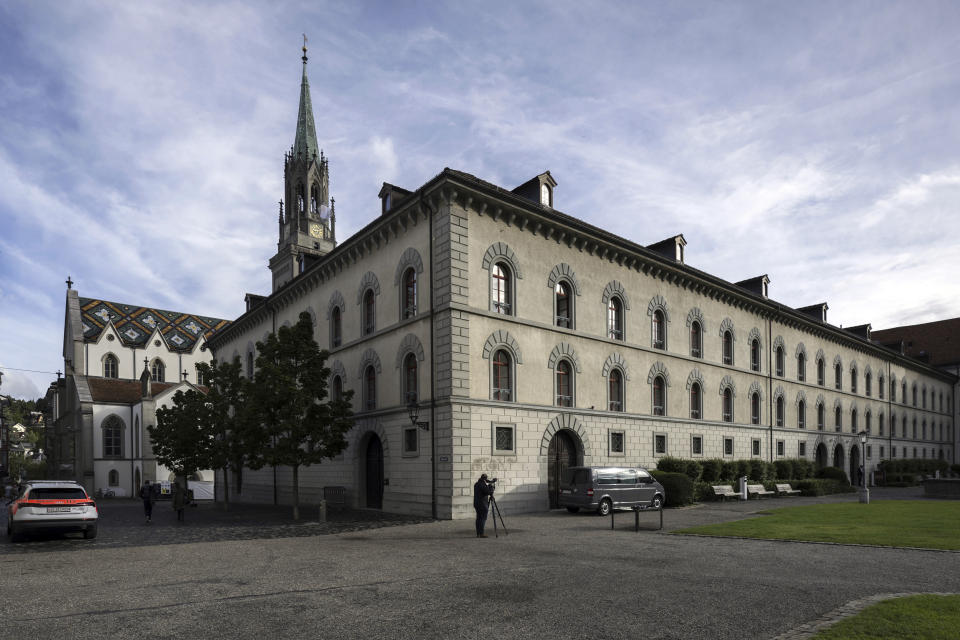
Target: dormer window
[545, 194]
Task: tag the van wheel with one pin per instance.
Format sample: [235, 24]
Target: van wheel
[605, 507]
[657, 502]
[573, 509]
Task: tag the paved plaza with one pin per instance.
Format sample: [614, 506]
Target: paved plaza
[253, 572]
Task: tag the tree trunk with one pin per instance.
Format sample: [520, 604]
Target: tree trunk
[296, 492]
[226, 488]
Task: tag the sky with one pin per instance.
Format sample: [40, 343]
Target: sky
[141, 144]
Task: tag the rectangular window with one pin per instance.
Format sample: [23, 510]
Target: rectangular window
[755, 447]
[616, 443]
[869, 452]
[504, 439]
[411, 441]
[696, 445]
[802, 449]
[881, 452]
[728, 446]
[781, 448]
[659, 444]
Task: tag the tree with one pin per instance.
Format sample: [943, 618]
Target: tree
[181, 438]
[300, 425]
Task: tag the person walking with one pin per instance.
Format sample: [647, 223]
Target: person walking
[482, 490]
[147, 494]
[179, 499]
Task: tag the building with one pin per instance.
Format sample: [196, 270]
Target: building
[121, 363]
[532, 341]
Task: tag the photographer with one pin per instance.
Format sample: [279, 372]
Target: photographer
[482, 491]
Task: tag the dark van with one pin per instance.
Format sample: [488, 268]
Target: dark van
[603, 489]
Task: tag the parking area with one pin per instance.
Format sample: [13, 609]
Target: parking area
[553, 575]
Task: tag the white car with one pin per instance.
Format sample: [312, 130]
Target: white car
[52, 505]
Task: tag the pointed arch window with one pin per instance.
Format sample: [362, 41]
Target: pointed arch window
[370, 388]
[615, 318]
[563, 304]
[914, 394]
[728, 405]
[615, 390]
[110, 366]
[410, 390]
[880, 425]
[779, 361]
[158, 371]
[659, 396]
[821, 418]
[853, 380]
[696, 401]
[903, 392]
[369, 312]
[821, 372]
[336, 328]
[780, 411]
[564, 384]
[659, 330]
[336, 389]
[696, 339]
[502, 375]
[501, 289]
[112, 428]
[837, 419]
[250, 365]
[409, 304]
[868, 421]
[838, 377]
[755, 408]
[854, 422]
[868, 383]
[924, 397]
[727, 348]
[801, 366]
[801, 415]
[755, 355]
[880, 385]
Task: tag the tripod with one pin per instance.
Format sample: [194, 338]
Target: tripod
[495, 510]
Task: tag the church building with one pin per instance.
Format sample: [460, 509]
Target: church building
[524, 340]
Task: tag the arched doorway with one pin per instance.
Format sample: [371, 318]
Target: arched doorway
[821, 456]
[562, 454]
[854, 465]
[838, 457]
[374, 472]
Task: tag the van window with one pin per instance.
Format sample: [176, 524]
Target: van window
[627, 477]
[575, 476]
[607, 478]
[644, 476]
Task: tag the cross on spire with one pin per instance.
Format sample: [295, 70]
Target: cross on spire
[69, 283]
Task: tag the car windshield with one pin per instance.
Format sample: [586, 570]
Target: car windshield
[57, 493]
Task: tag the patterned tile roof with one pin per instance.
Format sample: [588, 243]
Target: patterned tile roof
[136, 324]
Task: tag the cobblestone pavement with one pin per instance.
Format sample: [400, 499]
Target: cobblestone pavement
[122, 524]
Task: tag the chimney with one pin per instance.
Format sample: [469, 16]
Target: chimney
[816, 311]
[671, 248]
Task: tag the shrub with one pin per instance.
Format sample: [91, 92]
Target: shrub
[728, 470]
[710, 471]
[956, 469]
[802, 468]
[833, 473]
[743, 468]
[784, 469]
[822, 486]
[758, 469]
[671, 465]
[703, 491]
[693, 469]
[679, 487]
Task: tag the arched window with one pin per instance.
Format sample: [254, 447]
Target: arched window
[564, 386]
[158, 371]
[924, 404]
[801, 366]
[336, 389]
[801, 415]
[336, 328]
[696, 340]
[696, 401]
[563, 304]
[410, 378]
[409, 305]
[501, 289]
[780, 411]
[659, 396]
[755, 355]
[112, 429]
[868, 383]
[867, 420]
[880, 425]
[369, 312]
[837, 419]
[854, 425]
[727, 348]
[615, 318]
[755, 408]
[914, 394]
[728, 405]
[200, 379]
[903, 392]
[659, 330]
[502, 376]
[250, 365]
[821, 372]
[821, 418]
[779, 361]
[880, 386]
[853, 380]
[370, 388]
[903, 427]
[113, 478]
[615, 390]
[110, 366]
[838, 376]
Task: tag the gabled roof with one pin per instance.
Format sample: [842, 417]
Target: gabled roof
[121, 391]
[136, 324]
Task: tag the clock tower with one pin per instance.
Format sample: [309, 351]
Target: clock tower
[307, 221]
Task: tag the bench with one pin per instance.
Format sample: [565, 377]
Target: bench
[724, 491]
[335, 495]
[759, 491]
[787, 490]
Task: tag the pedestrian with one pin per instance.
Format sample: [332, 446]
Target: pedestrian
[482, 491]
[179, 499]
[148, 496]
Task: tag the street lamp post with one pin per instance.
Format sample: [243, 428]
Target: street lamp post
[413, 410]
[864, 491]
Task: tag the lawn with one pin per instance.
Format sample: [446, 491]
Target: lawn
[926, 617]
[898, 523]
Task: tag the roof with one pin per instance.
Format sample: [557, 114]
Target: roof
[305, 142]
[136, 324]
[937, 343]
[118, 391]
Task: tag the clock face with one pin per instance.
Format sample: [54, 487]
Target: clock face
[316, 230]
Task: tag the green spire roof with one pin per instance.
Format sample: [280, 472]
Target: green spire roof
[306, 141]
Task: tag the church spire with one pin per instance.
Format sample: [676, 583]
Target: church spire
[305, 144]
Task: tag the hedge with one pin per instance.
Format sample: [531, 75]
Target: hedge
[679, 487]
[833, 473]
[822, 486]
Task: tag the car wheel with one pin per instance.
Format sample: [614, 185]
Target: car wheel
[605, 507]
[573, 509]
[657, 502]
[90, 532]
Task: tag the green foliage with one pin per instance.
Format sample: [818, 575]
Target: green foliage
[956, 469]
[703, 491]
[743, 468]
[927, 466]
[758, 470]
[728, 470]
[693, 469]
[710, 470]
[679, 487]
[802, 468]
[822, 486]
[833, 473]
[671, 465]
[784, 469]
[181, 438]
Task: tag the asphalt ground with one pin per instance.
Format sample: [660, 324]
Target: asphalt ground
[552, 575]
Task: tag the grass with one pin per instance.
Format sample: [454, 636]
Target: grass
[896, 523]
[927, 617]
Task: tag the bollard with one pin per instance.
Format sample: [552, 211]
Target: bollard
[323, 511]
